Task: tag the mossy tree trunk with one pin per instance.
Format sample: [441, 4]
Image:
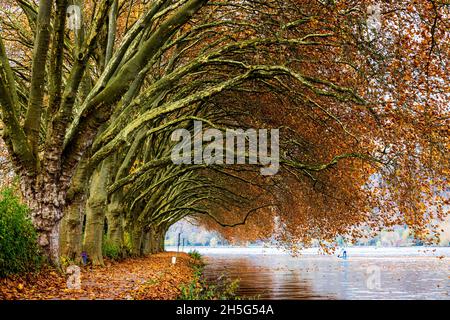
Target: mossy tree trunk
[74, 213]
[137, 237]
[147, 242]
[95, 213]
[114, 215]
[72, 230]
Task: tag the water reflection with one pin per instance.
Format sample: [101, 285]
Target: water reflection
[327, 277]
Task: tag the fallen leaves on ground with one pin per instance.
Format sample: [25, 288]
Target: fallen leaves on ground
[152, 277]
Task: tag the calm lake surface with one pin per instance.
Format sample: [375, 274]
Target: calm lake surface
[367, 273]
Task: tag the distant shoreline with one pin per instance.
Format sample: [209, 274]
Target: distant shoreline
[431, 251]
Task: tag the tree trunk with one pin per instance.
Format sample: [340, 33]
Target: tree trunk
[95, 215]
[147, 242]
[46, 205]
[162, 238]
[93, 236]
[72, 230]
[156, 239]
[49, 242]
[137, 236]
[114, 216]
[72, 223]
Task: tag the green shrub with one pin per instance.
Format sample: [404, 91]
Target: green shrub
[110, 250]
[195, 255]
[200, 289]
[19, 251]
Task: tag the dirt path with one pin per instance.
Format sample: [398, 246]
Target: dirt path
[152, 277]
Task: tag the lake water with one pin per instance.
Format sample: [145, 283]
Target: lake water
[367, 273]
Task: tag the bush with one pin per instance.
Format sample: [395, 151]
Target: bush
[195, 255]
[19, 251]
[200, 289]
[110, 250]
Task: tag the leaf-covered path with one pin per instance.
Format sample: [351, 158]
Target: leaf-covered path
[152, 277]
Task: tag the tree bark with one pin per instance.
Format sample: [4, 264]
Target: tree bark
[72, 223]
[46, 204]
[147, 242]
[72, 230]
[95, 214]
[137, 237]
[156, 235]
[114, 216]
[162, 238]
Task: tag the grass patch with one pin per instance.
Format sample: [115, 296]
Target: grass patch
[200, 289]
[194, 254]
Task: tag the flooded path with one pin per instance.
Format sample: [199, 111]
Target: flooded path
[367, 273]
